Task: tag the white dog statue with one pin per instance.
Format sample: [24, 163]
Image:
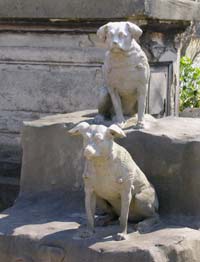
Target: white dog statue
[111, 175]
[126, 73]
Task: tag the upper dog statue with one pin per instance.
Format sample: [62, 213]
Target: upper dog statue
[126, 73]
[111, 174]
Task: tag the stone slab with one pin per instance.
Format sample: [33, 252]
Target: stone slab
[54, 221]
[77, 9]
[190, 112]
[48, 88]
[173, 10]
[51, 47]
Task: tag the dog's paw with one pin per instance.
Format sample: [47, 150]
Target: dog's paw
[120, 121]
[139, 125]
[120, 236]
[121, 124]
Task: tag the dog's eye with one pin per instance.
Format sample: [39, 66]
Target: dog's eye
[111, 33]
[88, 135]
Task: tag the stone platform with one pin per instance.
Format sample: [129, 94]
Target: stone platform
[45, 230]
[43, 224]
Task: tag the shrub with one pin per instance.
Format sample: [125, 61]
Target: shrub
[189, 84]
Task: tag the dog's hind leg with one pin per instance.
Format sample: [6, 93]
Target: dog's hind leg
[146, 207]
[105, 108]
[147, 224]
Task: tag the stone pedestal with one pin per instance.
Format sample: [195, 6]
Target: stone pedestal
[43, 224]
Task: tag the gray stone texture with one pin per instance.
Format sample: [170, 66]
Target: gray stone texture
[175, 10]
[43, 224]
[42, 74]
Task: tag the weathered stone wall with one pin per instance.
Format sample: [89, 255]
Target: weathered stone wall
[44, 73]
[193, 48]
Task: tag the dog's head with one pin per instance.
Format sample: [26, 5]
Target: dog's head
[98, 139]
[119, 35]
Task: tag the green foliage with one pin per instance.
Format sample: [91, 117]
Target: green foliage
[189, 84]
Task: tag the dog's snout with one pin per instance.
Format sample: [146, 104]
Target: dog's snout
[115, 42]
[89, 151]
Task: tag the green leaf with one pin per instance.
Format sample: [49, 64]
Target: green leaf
[189, 84]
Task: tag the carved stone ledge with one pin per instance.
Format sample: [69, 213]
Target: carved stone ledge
[82, 9]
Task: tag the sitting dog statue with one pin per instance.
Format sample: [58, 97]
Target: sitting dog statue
[126, 73]
[111, 175]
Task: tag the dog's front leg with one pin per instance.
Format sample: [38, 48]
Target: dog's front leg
[141, 110]
[126, 197]
[90, 205]
[116, 101]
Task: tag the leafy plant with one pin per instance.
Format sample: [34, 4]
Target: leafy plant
[189, 84]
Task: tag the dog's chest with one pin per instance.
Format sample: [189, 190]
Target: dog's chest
[123, 72]
[105, 180]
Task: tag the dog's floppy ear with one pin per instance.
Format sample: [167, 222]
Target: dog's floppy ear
[80, 129]
[135, 31]
[101, 33]
[116, 131]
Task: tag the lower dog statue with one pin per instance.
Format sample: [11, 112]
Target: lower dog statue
[111, 175]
